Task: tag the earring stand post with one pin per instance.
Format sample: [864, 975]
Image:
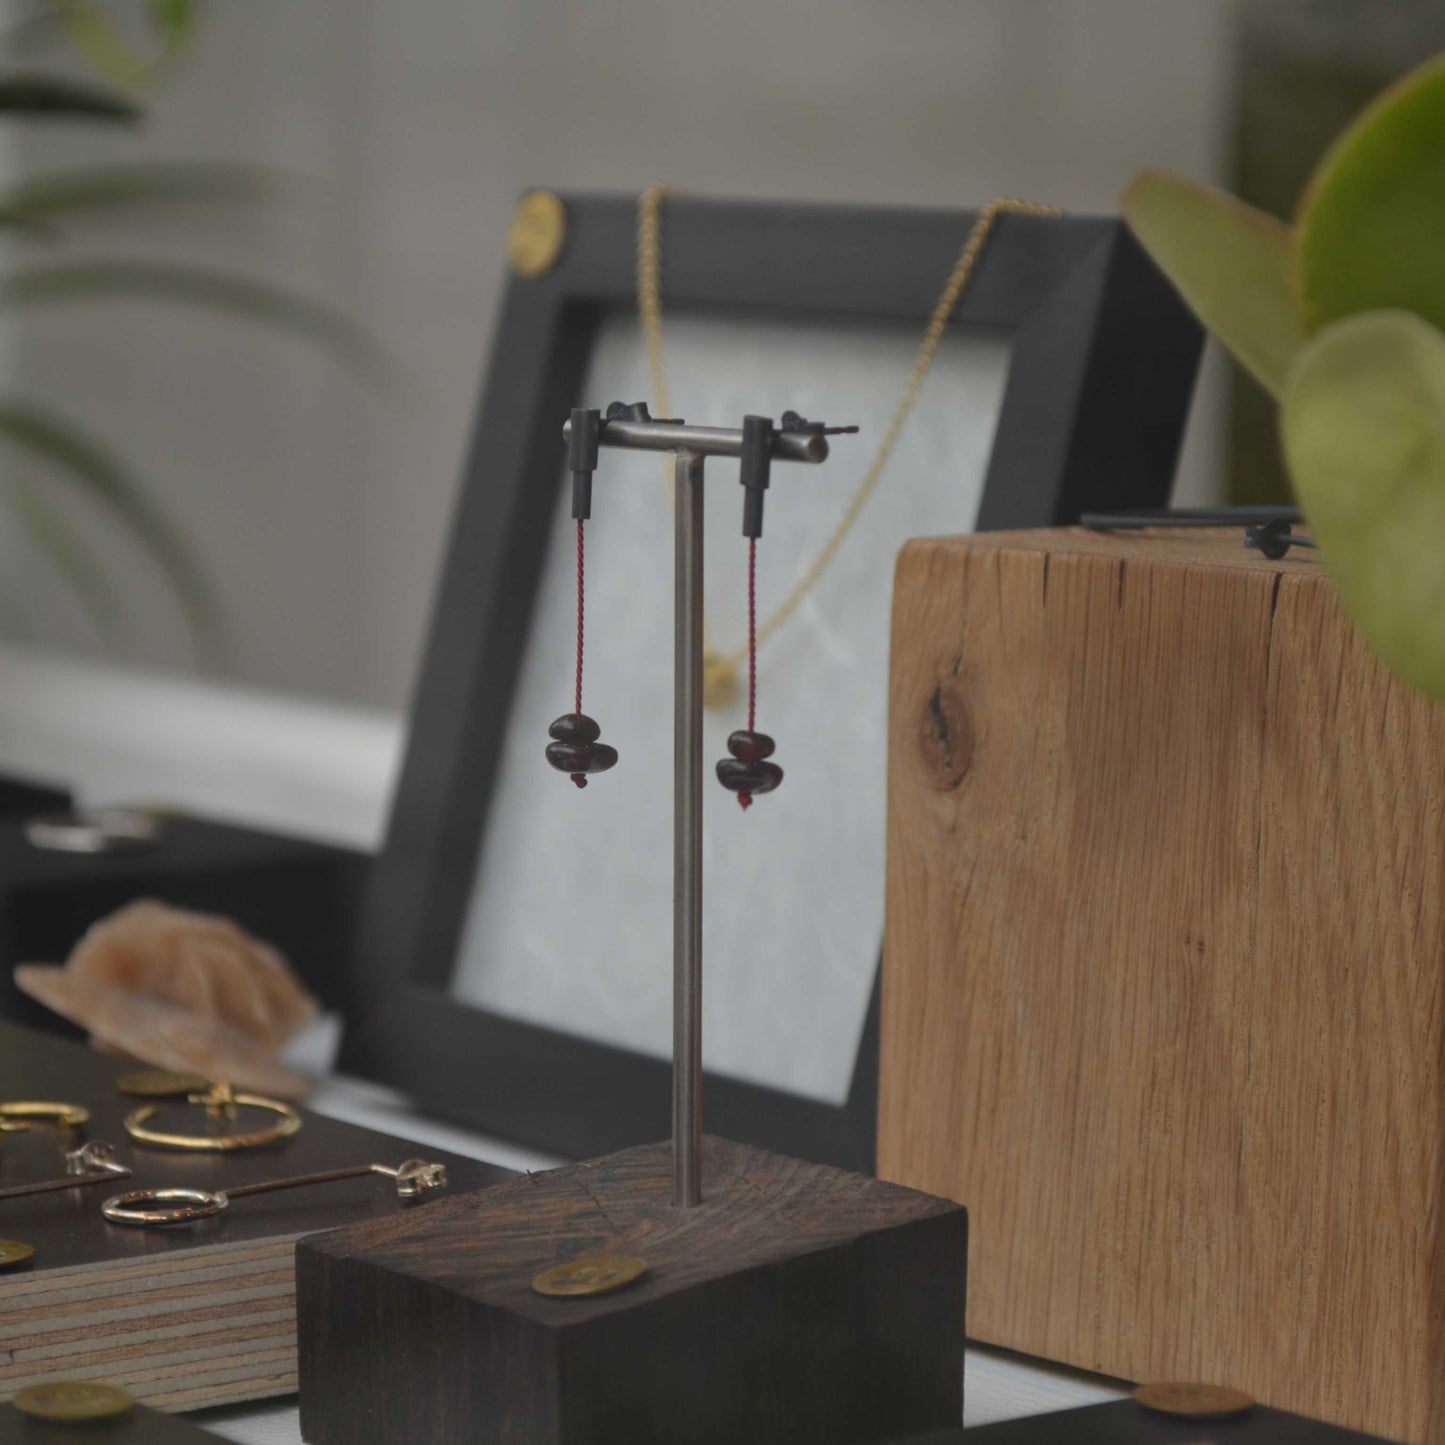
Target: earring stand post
[687, 835]
[691, 445]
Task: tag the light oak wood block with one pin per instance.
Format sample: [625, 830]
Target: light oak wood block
[1163, 966]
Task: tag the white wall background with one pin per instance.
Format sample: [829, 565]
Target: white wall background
[320, 507]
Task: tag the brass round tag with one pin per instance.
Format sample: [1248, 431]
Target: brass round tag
[13, 1252]
[1193, 1402]
[72, 1400]
[539, 227]
[596, 1274]
[161, 1084]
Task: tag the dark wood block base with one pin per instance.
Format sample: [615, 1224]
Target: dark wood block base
[798, 1303]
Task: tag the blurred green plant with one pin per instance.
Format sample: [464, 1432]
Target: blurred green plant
[38, 212]
[1339, 316]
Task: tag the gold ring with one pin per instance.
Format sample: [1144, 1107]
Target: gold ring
[22, 1113]
[220, 1102]
[152, 1207]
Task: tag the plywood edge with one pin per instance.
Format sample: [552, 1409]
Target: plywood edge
[196, 1261]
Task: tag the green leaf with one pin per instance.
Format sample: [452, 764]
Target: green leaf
[110, 56]
[237, 295]
[99, 475]
[1371, 221]
[109, 53]
[63, 547]
[127, 187]
[174, 19]
[1229, 261]
[57, 98]
[1363, 424]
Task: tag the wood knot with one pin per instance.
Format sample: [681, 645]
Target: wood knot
[945, 739]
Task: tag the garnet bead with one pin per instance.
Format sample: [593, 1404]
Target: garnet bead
[750, 747]
[575, 727]
[746, 773]
[576, 750]
[740, 777]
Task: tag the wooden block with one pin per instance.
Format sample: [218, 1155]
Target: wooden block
[1162, 991]
[797, 1303]
[1122, 1422]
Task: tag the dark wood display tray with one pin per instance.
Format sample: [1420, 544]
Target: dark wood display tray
[200, 1314]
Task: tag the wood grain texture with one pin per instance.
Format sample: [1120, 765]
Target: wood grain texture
[1163, 966]
[797, 1303]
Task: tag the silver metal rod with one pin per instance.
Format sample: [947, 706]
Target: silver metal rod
[704, 441]
[687, 837]
[90, 1164]
[18, 1191]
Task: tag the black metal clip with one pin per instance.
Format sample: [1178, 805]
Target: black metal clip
[757, 458]
[637, 411]
[1275, 538]
[585, 437]
[1266, 529]
[582, 443]
[792, 422]
[755, 469]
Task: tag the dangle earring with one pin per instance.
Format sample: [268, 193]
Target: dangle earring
[575, 749]
[748, 771]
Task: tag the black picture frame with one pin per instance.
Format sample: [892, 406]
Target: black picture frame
[1102, 368]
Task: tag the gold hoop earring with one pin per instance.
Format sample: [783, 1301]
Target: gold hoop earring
[22, 1113]
[220, 1102]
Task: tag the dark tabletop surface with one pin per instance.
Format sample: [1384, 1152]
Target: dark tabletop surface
[1123, 1422]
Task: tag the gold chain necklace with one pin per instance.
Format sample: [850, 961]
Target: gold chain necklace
[720, 669]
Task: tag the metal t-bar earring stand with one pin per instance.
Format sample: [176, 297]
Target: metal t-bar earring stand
[631, 427]
[791, 1305]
